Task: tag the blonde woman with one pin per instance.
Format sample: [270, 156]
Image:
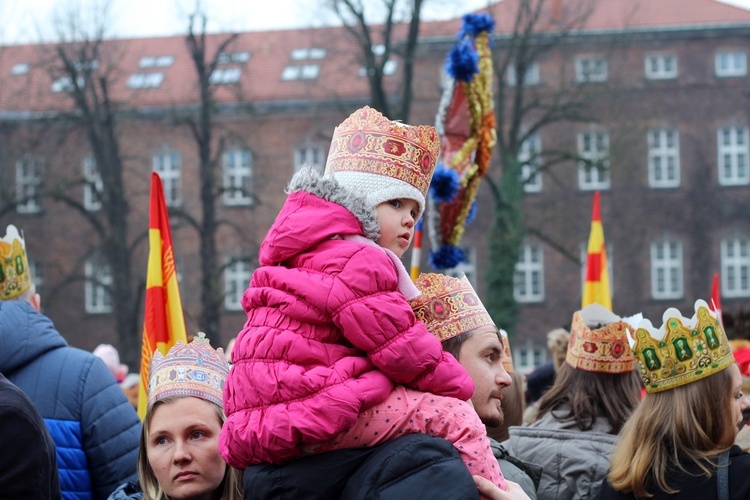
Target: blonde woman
[679, 442]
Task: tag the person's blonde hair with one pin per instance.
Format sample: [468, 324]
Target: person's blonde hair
[670, 430]
[231, 485]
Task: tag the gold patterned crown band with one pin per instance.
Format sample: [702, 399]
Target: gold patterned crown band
[194, 369]
[599, 342]
[15, 276]
[682, 350]
[449, 306]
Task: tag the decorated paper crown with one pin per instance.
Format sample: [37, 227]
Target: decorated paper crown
[448, 306]
[383, 160]
[682, 350]
[507, 355]
[466, 123]
[595, 348]
[193, 369]
[15, 277]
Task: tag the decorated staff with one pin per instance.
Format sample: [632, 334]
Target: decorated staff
[466, 124]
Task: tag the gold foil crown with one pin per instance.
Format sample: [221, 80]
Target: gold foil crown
[682, 350]
[194, 369]
[599, 342]
[368, 152]
[448, 306]
[15, 276]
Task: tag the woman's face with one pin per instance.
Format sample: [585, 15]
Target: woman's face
[739, 400]
[182, 448]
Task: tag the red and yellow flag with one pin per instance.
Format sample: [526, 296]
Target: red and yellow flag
[163, 320]
[596, 288]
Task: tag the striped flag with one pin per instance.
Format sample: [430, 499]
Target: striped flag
[716, 298]
[596, 288]
[416, 251]
[163, 320]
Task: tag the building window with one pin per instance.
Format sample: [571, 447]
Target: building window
[530, 77]
[468, 268]
[591, 69]
[19, 69]
[730, 63]
[156, 62]
[65, 84]
[145, 80]
[236, 279]
[303, 72]
[238, 177]
[93, 185]
[36, 271]
[221, 76]
[733, 156]
[593, 169]
[528, 356]
[309, 154]
[233, 57]
[529, 157]
[661, 66]
[528, 283]
[167, 165]
[98, 283]
[28, 184]
[735, 268]
[311, 53]
[666, 270]
[389, 68]
[664, 158]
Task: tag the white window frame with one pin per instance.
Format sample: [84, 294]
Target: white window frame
[168, 164]
[308, 53]
[663, 157]
[156, 61]
[28, 184]
[19, 69]
[36, 271]
[729, 63]
[735, 267]
[236, 280]
[530, 78]
[310, 153]
[529, 156]
[592, 69]
[65, 84]
[667, 279]
[300, 72]
[98, 299]
[468, 267]
[238, 177]
[93, 185]
[733, 156]
[223, 76]
[528, 280]
[233, 57]
[593, 145]
[660, 66]
[145, 80]
[528, 355]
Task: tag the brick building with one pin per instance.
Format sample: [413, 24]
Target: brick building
[666, 92]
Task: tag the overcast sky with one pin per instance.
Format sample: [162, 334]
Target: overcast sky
[30, 21]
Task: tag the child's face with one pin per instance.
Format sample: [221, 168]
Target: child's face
[397, 218]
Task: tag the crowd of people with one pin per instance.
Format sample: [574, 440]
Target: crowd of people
[350, 380]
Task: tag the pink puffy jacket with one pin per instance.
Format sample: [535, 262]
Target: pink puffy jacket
[327, 332]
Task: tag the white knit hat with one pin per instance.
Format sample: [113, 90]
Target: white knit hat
[383, 160]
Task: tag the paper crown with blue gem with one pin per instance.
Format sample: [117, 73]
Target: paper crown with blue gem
[681, 351]
[15, 276]
[194, 369]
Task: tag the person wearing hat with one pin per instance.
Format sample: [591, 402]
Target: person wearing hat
[331, 355]
[84, 408]
[679, 442]
[179, 452]
[578, 420]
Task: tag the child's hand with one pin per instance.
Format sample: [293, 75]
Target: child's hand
[493, 492]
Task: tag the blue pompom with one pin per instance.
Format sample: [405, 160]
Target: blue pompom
[446, 257]
[472, 214]
[474, 24]
[462, 62]
[445, 184]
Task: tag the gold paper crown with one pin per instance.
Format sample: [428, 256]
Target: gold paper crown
[369, 143]
[193, 369]
[448, 306]
[15, 277]
[682, 350]
[599, 342]
[507, 355]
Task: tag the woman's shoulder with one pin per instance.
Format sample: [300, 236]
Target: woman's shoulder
[127, 491]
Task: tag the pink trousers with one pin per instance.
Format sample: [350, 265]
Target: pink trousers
[407, 411]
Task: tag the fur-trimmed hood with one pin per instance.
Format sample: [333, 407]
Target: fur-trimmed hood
[317, 208]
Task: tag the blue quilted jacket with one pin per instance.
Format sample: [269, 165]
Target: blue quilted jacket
[95, 429]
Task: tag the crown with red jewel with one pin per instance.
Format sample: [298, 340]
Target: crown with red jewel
[681, 351]
[599, 342]
[15, 276]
